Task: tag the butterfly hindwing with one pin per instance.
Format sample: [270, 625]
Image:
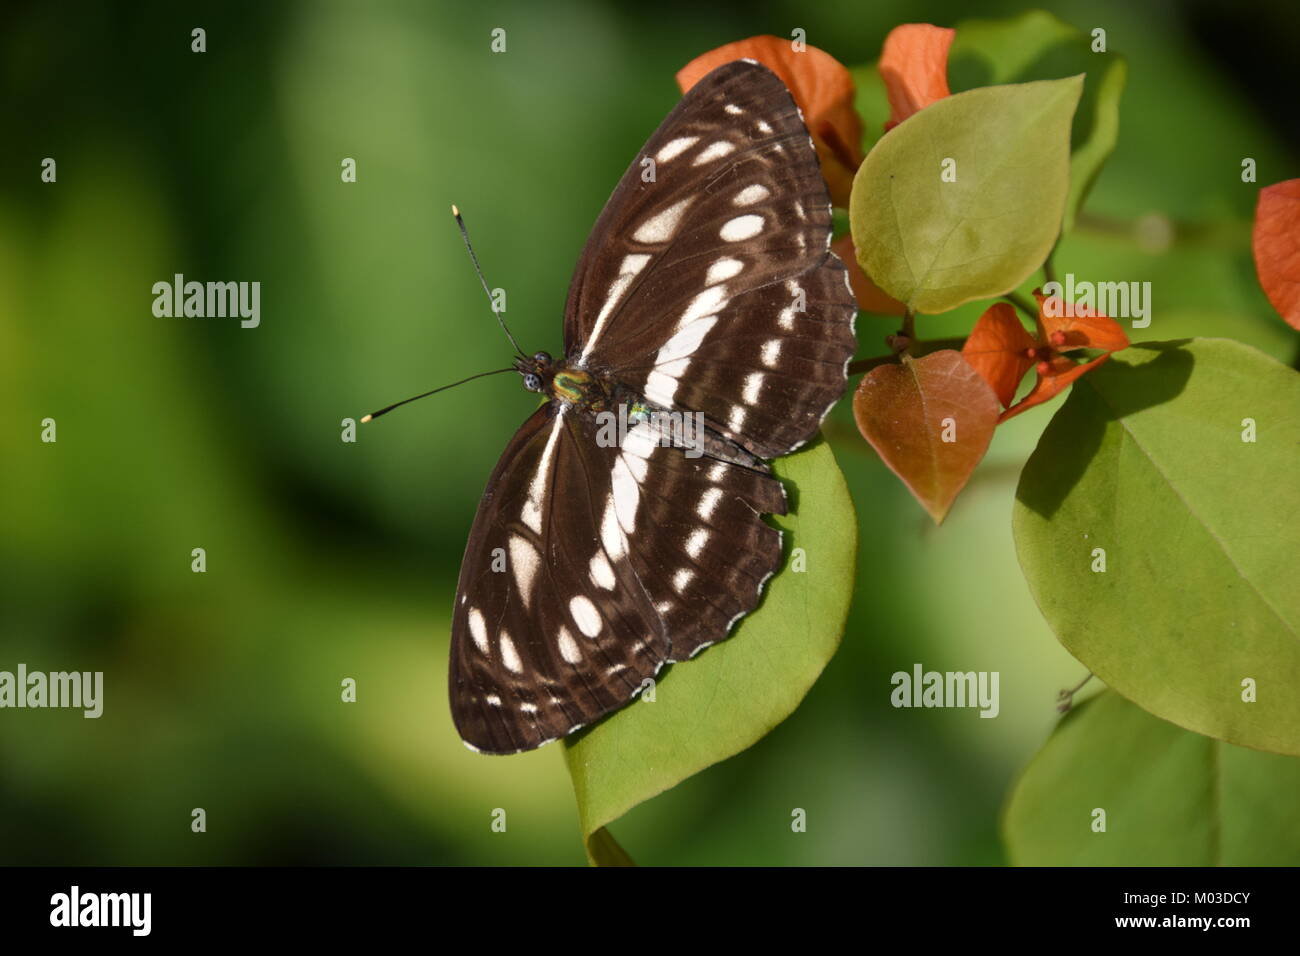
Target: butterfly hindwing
[691, 528]
[590, 566]
[538, 648]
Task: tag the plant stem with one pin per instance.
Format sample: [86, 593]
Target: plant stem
[1021, 303]
[1065, 699]
[918, 349]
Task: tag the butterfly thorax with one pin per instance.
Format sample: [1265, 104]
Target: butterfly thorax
[563, 382]
[579, 387]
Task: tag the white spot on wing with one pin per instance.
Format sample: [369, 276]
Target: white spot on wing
[602, 574]
[714, 151]
[708, 302]
[733, 109]
[641, 442]
[568, 647]
[753, 382]
[478, 629]
[722, 270]
[751, 194]
[524, 562]
[616, 290]
[682, 578]
[708, 502]
[661, 386]
[771, 352]
[625, 495]
[585, 615]
[741, 228]
[629, 268]
[611, 535]
[674, 148]
[660, 227]
[696, 542]
[509, 656]
[532, 511]
[686, 341]
[737, 420]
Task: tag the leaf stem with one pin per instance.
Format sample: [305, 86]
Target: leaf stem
[1065, 698]
[917, 348]
[1021, 303]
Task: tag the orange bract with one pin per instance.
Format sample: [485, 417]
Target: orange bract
[914, 66]
[1276, 243]
[999, 349]
[1002, 351]
[821, 86]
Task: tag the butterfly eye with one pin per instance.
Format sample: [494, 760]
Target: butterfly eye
[542, 357]
[532, 382]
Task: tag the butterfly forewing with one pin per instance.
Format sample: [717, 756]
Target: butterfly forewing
[706, 287]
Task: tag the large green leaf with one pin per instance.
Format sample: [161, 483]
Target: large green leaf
[1171, 798]
[1146, 461]
[934, 244]
[1038, 46]
[710, 708]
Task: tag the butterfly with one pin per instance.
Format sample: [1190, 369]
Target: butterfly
[707, 297]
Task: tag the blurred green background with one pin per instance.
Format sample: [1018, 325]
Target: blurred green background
[329, 560]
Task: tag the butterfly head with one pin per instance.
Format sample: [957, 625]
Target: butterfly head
[536, 371]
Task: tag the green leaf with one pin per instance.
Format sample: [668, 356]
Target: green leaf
[933, 244]
[871, 102]
[728, 698]
[1038, 46]
[1171, 798]
[1146, 461]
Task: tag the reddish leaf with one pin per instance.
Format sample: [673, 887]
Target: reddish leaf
[914, 66]
[907, 410]
[871, 298]
[1276, 242]
[1000, 350]
[822, 87]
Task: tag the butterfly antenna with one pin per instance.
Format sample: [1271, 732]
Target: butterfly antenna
[464, 234]
[388, 408]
